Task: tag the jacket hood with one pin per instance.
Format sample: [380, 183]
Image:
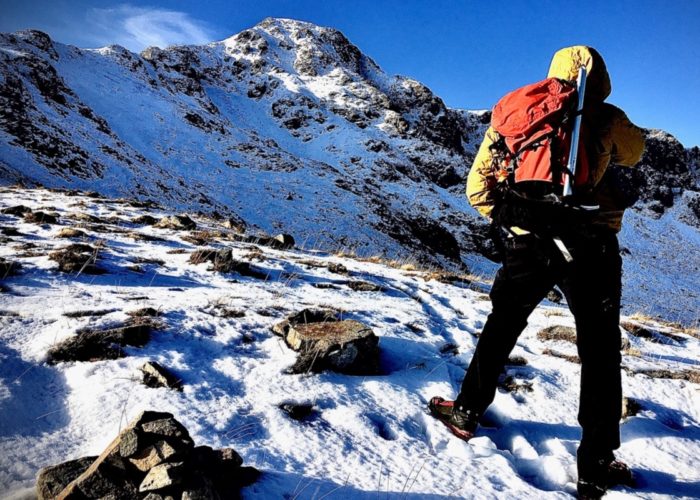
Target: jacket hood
[567, 61]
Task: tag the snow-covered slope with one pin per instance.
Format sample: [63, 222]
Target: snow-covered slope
[286, 124]
[368, 437]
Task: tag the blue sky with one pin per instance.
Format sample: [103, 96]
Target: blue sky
[468, 52]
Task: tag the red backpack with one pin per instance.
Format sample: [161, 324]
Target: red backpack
[534, 123]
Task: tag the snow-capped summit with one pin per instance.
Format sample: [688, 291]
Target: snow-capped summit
[285, 124]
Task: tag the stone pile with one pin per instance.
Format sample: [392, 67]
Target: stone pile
[154, 458]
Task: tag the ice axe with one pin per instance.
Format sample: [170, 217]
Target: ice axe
[573, 150]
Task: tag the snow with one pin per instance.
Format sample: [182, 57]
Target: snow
[369, 436]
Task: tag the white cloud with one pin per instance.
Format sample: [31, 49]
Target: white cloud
[139, 27]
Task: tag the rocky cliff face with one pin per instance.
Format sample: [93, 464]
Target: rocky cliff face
[284, 124]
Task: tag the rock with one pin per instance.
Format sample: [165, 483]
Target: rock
[364, 286]
[303, 317]
[41, 218]
[153, 455]
[8, 268]
[177, 222]
[129, 444]
[94, 345]
[162, 476]
[344, 346]
[77, 258]
[337, 268]
[18, 210]
[107, 477]
[630, 407]
[144, 312]
[283, 241]
[162, 464]
[155, 375]
[558, 332]
[555, 296]
[236, 225]
[517, 361]
[70, 232]
[297, 411]
[169, 429]
[52, 480]
[223, 262]
[146, 220]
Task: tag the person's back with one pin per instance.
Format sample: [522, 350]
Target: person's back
[611, 138]
[589, 274]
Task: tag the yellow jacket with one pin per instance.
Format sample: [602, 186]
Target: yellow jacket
[612, 138]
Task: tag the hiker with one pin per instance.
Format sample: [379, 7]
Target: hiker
[573, 247]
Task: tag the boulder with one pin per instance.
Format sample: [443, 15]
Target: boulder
[344, 346]
[303, 317]
[156, 375]
[52, 480]
[41, 218]
[177, 222]
[17, 210]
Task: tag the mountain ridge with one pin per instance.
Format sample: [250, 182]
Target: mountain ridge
[286, 113]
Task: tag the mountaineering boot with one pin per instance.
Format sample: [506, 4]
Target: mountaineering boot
[594, 483]
[461, 422]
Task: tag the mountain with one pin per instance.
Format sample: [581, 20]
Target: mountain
[284, 125]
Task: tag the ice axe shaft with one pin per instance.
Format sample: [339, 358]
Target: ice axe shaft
[573, 151]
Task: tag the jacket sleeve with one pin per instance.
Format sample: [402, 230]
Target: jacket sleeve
[482, 179]
[628, 141]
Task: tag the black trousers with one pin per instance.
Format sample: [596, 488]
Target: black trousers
[592, 286]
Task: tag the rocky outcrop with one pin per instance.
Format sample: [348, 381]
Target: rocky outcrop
[325, 342]
[156, 375]
[154, 458]
[100, 344]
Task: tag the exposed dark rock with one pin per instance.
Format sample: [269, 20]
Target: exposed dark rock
[178, 222]
[364, 286]
[156, 375]
[88, 312]
[509, 384]
[284, 241]
[70, 232]
[338, 268]
[18, 210]
[571, 358]
[77, 258]
[223, 262]
[8, 268]
[94, 345]
[304, 317]
[344, 346]
[555, 296]
[52, 480]
[41, 218]
[517, 361]
[630, 407]
[144, 312]
[146, 220]
[558, 332]
[297, 411]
